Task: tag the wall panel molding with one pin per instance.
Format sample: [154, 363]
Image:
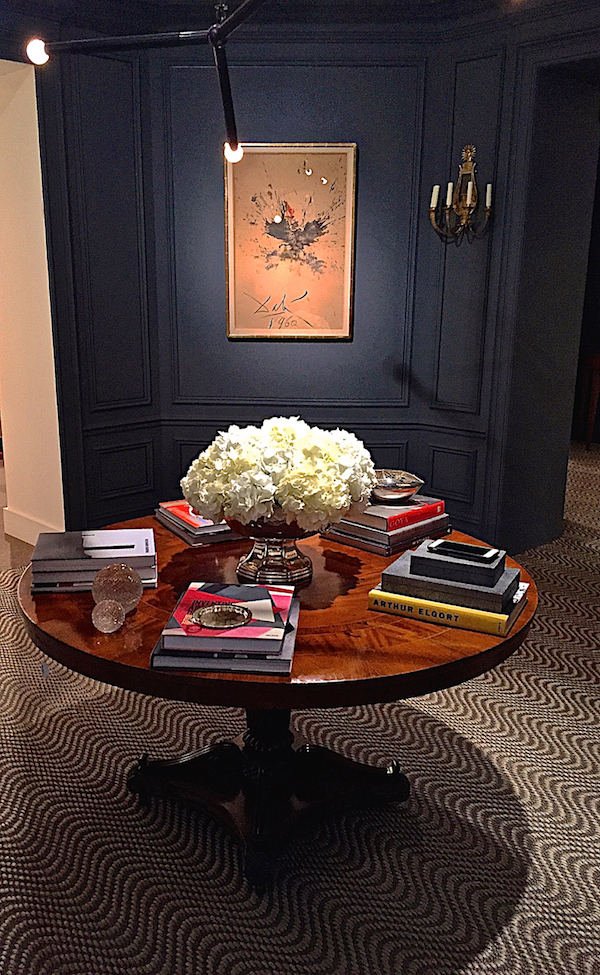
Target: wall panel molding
[109, 238]
[464, 273]
[122, 471]
[453, 473]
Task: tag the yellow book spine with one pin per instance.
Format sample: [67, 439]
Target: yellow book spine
[431, 612]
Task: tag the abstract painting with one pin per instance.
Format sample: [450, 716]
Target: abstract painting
[290, 241]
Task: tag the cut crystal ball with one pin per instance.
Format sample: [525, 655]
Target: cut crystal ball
[108, 615]
[118, 582]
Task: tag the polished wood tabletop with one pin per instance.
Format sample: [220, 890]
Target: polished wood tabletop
[345, 653]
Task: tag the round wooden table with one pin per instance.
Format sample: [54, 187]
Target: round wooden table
[345, 655]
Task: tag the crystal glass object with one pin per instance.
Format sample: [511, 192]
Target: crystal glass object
[118, 582]
[108, 615]
[274, 557]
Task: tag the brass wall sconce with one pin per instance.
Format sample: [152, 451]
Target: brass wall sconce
[456, 222]
[38, 51]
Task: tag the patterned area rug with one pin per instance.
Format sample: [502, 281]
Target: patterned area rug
[491, 868]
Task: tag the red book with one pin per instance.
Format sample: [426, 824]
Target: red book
[389, 517]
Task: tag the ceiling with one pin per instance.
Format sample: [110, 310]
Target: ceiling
[148, 16]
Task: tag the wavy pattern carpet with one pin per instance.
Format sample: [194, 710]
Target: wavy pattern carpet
[491, 868]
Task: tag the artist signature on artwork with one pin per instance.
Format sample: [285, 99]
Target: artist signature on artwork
[279, 315]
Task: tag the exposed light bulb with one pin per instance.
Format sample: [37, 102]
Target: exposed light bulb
[36, 51]
[277, 218]
[232, 155]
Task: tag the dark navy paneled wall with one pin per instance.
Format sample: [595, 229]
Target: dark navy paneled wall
[328, 106]
[432, 379]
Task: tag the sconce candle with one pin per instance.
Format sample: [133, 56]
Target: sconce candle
[449, 194]
[435, 193]
[488, 196]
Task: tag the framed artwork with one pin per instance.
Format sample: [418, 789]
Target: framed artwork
[290, 241]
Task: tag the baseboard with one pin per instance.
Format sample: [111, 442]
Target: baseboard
[25, 528]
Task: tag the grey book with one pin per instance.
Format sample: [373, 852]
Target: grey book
[195, 539]
[94, 549]
[149, 581]
[279, 664]
[399, 578]
[433, 528]
[390, 538]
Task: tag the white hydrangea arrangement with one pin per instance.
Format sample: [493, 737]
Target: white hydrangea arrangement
[284, 469]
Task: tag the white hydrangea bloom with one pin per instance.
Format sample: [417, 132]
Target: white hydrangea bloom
[284, 469]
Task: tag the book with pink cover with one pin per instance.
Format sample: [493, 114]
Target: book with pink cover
[269, 605]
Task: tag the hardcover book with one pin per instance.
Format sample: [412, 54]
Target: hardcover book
[279, 664]
[196, 539]
[400, 577]
[456, 562]
[94, 549]
[448, 614]
[270, 607]
[389, 517]
[390, 543]
[82, 581]
[180, 513]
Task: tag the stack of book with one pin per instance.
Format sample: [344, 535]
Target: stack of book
[70, 560]
[389, 529]
[179, 518]
[262, 644]
[455, 584]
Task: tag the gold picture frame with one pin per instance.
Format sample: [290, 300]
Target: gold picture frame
[289, 215]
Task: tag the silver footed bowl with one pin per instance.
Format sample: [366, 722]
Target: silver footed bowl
[395, 486]
[274, 558]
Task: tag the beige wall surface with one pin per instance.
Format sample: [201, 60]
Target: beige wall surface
[28, 407]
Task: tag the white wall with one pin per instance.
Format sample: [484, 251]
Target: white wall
[28, 408]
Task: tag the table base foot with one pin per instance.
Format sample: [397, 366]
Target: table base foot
[262, 784]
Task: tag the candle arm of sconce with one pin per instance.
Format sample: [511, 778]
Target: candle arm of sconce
[433, 221]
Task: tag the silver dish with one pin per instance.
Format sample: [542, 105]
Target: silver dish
[223, 616]
[393, 486]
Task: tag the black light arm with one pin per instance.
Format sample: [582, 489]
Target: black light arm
[127, 43]
[215, 35]
[218, 33]
[223, 72]
[221, 31]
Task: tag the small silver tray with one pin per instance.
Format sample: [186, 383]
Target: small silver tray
[395, 486]
[222, 617]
